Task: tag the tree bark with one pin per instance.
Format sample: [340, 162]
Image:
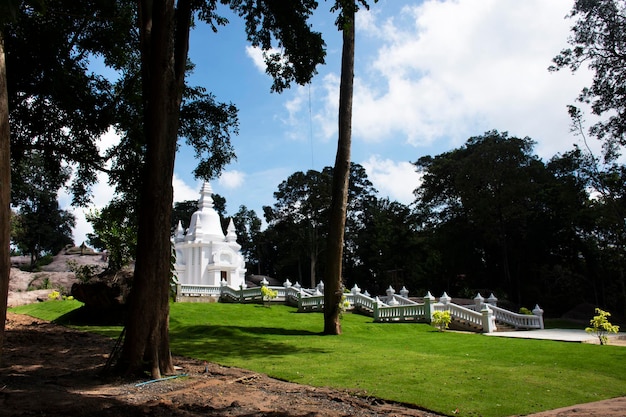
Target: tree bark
[5, 194]
[333, 290]
[164, 40]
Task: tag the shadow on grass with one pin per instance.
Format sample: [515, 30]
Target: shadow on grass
[85, 316]
[215, 341]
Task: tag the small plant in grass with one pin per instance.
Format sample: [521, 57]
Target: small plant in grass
[441, 320]
[344, 305]
[268, 294]
[601, 326]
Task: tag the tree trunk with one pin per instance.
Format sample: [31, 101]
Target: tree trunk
[333, 289]
[5, 194]
[164, 35]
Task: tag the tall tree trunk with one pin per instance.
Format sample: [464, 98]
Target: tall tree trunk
[313, 254]
[164, 36]
[5, 193]
[333, 289]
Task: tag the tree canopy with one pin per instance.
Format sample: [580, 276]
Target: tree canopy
[300, 218]
[599, 41]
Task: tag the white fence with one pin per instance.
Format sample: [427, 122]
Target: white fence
[480, 316]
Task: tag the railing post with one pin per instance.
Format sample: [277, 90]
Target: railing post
[479, 300]
[179, 291]
[537, 311]
[429, 300]
[444, 299]
[489, 322]
[390, 291]
[492, 300]
[299, 301]
[241, 299]
[404, 292]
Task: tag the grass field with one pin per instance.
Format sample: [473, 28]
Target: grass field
[409, 363]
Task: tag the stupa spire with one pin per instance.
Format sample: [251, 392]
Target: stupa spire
[206, 199]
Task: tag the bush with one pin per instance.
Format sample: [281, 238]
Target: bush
[441, 320]
[526, 311]
[268, 294]
[601, 326]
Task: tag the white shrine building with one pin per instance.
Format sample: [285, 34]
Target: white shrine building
[205, 255]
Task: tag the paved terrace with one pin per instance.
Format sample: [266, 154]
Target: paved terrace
[562, 335]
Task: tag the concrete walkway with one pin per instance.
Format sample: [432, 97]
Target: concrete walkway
[563, 335]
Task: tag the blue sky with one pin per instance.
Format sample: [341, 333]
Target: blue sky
[429, 75]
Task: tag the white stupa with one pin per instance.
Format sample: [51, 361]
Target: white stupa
[205, 255]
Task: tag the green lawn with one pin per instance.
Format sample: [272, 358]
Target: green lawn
[410, 363]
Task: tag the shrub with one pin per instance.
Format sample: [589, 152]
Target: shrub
[526, 311]
[268, 294]
[441, 320]
[601, 326]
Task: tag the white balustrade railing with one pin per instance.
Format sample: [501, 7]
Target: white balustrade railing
[406, 312]
[311, 303]
[395, 299]
[362, 302]
[388, 308]
[461, 313]
[197, 290]
[519, 321]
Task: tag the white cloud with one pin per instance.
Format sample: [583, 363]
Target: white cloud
[256, 55]
[454, 69]
[108, 140]
[102, 194]
[394, 179]
[183, 191]
[231, 179]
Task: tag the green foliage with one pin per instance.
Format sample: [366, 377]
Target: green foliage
[48, 56]
[248, 229]
[173, 277]
[83, 272]
[41, 227]
[441, 320]
[524, 310]
[114, 230]
[486, 376]
[54, 295]
[598, 42]
[182, 212]
[601, 326]
[268, 294]
[384, 247]
[298, 221]
[496, 216]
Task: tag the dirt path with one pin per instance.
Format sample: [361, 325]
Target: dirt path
[50, 370]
